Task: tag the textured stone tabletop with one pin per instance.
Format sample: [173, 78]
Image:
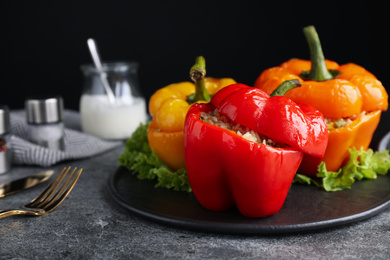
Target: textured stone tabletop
[91, 225]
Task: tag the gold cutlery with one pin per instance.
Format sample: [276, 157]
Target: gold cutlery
[24, 183]
[51, 197]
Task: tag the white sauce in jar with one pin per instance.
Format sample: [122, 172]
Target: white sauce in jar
[112, 122]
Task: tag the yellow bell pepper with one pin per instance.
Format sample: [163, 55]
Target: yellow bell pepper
[169, 105]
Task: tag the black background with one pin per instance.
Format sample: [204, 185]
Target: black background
[43, 43]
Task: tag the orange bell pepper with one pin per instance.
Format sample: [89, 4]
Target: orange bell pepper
[348, 94]
[169, 105]
[169, 146]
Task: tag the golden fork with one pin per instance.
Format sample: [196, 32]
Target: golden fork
[50, 198]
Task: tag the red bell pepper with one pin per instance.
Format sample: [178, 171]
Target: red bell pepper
[224, 169]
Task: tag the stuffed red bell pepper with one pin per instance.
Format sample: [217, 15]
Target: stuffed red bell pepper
[244, 147]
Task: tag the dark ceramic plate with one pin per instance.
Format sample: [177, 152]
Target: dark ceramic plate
[306, 208]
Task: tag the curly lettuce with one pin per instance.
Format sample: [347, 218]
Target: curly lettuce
[361, 165]
[141, 161]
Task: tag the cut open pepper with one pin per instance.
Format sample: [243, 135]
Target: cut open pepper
[225, 167]
[169, 105]
[350, 98]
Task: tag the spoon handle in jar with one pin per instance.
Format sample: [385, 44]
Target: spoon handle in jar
[96, 60]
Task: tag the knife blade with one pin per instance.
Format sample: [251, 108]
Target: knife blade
[24, 183]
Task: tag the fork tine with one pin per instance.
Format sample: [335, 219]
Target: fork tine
[62, 193]
[59, 189]
[50, 189]
[59, 184]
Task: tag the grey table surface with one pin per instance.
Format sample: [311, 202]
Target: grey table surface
[91, 225]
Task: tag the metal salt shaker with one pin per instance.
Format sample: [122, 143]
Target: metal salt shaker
[44, 119]
[5, 144]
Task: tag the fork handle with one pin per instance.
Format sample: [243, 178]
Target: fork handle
[10, 212]
[27, 211]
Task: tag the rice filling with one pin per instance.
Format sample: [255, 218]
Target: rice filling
[217, 119]
[333, 123]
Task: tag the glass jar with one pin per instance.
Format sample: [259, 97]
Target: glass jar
[5, 144]
[103, 119]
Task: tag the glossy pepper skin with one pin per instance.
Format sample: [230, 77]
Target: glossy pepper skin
[168, 106]
[224, 169]
[352, 92]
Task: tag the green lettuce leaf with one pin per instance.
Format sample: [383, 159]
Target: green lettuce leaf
[140, 160]
[361, 165]
[146, 165]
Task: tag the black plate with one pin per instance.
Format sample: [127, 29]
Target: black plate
[306, 208]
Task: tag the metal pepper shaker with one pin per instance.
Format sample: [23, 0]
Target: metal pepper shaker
[5, 144]
[44, 120]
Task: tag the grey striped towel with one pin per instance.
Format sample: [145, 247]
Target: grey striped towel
[78, 145]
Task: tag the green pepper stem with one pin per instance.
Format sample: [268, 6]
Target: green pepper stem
[318, 71]
[286, 86]
[197, 74]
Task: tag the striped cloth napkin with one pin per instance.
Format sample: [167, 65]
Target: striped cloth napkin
[78, 145]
